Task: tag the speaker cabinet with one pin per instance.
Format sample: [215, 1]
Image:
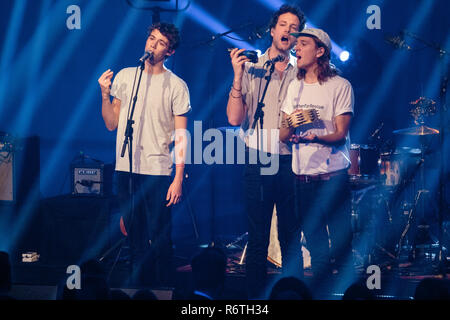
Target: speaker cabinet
[77, 228]
[19, 168]
[6, 175]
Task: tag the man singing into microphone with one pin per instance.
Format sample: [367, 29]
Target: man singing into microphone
[161, 109]
[262, 192]
[321, 155]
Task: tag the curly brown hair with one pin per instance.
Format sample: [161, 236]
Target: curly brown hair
[169, 30]
[326, 69]
[287, 9]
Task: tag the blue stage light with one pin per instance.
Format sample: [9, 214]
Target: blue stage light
[344, 56]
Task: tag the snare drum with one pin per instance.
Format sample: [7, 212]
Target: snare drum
[364, 160]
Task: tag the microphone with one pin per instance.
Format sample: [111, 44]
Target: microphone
[398, 42]
[377, 130]
[258, 33]
[278, 58]
[147, 55]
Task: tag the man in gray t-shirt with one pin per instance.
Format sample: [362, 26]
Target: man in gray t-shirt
[160, 111]
[263, 192]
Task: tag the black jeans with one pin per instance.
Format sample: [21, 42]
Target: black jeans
[149, 227]
[262, 192]
[321, 204]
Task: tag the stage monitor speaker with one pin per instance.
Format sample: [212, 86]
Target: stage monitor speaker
[91, 178]
[77, 228]
[19, 167]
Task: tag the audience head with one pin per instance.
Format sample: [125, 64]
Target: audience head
[144, 294]
[209, 269]
[5, 273]
[290, 288]
[117, 294]
[358, 291]
[433, 289]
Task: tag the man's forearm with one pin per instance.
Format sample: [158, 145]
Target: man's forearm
[336, 138]
[235, 106]
[108, 112]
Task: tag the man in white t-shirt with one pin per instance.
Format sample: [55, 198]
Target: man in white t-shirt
[320, 155]
[160, 112]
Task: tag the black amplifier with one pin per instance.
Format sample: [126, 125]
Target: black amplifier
[91, 178]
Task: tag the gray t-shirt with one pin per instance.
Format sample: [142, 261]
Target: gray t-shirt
[253, 84]
[160, 98]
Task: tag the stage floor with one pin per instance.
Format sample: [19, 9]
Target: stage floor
[37, 281]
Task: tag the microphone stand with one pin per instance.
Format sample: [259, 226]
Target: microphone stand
[259, 113]
[443, 53]
[223, 34]
[128, 141]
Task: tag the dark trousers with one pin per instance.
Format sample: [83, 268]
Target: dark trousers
[321, 204]
[148, 227]
[262, 192]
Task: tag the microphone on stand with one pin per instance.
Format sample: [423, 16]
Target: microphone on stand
[258, 33]
[376, 132]
[398, 42]
[147, 55]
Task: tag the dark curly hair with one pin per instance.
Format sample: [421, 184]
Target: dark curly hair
[285, 8]
[326, 69]
[169, 30]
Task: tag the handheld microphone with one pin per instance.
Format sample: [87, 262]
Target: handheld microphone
[147, 55]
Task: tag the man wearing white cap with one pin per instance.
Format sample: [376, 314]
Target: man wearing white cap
[321, 152]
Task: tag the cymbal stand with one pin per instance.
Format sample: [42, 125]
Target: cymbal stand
[412, 216]
[444, 55]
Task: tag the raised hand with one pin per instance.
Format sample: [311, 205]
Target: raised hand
[105, 82]
[238, 62]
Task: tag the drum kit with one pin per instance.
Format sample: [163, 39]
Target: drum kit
[388, 201]
[389, 195]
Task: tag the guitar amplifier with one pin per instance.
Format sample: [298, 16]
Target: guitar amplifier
[19, 167]
[91, 179]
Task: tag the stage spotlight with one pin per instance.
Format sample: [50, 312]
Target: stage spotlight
[344, 55]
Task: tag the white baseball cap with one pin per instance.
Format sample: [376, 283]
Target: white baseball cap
[314, 32]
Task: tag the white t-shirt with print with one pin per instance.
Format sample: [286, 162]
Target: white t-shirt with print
[330, 99]
[161, 97]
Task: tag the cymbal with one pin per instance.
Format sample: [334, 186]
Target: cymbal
[417, 131]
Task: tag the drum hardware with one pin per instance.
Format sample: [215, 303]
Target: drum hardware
[364, 165]
[372, 223]
[236, 244]
[421, 130]
[423, 107]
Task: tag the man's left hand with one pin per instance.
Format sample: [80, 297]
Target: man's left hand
[174, 193]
